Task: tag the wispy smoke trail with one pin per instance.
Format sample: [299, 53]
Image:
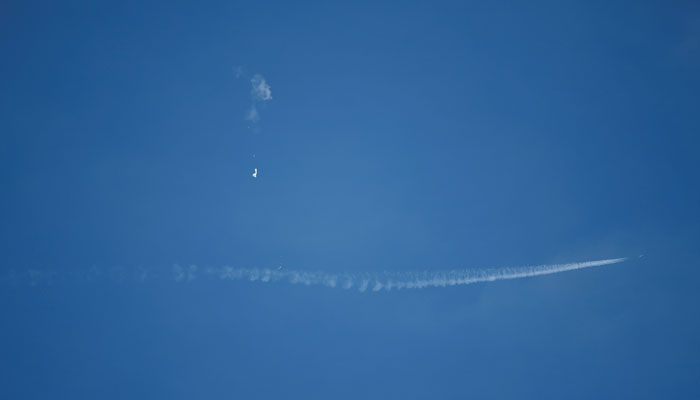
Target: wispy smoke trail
[397, 280]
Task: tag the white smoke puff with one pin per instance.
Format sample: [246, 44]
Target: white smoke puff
[260, 89]
[253, 114]
[266, 275]
[254, 275]
[363, 286]
[227, 273]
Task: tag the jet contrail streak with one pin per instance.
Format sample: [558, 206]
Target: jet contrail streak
[363, 281]
[399, 280]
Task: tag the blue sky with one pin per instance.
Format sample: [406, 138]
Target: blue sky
[399, 137]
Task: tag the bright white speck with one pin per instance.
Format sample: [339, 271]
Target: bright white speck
[255, 173]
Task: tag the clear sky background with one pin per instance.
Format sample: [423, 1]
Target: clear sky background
[400, 136]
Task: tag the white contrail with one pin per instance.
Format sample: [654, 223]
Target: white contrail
[374, 281]
[396, 280]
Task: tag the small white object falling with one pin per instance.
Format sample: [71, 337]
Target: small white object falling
[255, 173]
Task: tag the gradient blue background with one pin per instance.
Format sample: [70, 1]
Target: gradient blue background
[401, 136]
